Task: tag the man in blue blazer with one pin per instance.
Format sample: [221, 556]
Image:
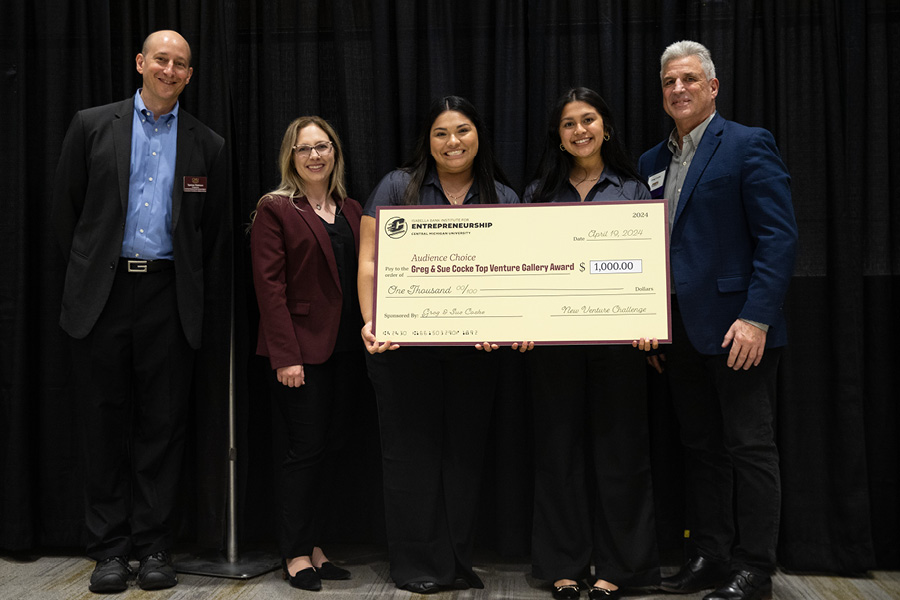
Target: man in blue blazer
[140, 210]
[732, 246]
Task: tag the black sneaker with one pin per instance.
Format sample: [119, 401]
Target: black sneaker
[156, 572]
[111, 575]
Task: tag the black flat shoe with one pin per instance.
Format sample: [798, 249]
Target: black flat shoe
[459, 583]
[566, 592]
[464, 580]
[329, 570]
[305, 579]
[421, 587]
[598, 593]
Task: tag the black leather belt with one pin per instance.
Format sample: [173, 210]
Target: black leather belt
[129, 265]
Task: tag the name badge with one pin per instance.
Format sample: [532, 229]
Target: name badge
[194, 184]
[655, 183]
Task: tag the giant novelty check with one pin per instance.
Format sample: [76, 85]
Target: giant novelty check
[594, 272]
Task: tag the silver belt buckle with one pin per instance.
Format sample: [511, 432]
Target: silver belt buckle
[137, 266]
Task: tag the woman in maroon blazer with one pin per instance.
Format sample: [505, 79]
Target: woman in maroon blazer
[304, 245]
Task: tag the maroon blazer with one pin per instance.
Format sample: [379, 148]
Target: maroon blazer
[296, 281]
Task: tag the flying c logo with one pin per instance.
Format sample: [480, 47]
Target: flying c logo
[395, 227]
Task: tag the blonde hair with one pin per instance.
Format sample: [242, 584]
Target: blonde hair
[292, 185]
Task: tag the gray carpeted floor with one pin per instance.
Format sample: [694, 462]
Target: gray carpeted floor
[59, 577]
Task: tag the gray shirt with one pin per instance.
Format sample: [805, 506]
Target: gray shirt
[681, 163]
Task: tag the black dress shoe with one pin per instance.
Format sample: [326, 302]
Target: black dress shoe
[111, 575]
[744, 585]
[566, 592]
[421, 587]
[156, 572]
[329, 570]
[599, 593]
[697, 574]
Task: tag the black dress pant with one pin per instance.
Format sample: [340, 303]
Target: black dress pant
[133, 371]
[315, 417]
[593, 499]
[732, 477]
[434, 411]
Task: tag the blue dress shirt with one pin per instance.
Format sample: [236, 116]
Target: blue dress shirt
[148, 222]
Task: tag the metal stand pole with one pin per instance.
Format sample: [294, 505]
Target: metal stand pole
[231, 565]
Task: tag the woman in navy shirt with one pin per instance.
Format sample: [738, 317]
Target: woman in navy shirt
[434, 403]
[593, 496]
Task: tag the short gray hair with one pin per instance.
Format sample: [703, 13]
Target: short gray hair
[686, 48]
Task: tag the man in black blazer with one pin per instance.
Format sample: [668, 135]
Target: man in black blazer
[732, 246]
[139, 209]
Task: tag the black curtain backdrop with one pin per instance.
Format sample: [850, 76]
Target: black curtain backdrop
[815, 73]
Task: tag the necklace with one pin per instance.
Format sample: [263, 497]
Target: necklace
[454, 197]
[586, 178]
[459, 196]
[319, 204]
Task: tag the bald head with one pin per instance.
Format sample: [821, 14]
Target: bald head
[165, 65]
[165, 36]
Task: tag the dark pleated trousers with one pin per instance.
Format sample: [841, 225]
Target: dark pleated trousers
[434, 412]
[593, 491]
[133, 373]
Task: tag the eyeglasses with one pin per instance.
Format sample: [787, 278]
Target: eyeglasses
[322, 149]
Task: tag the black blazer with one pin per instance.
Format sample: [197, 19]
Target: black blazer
[90, 200]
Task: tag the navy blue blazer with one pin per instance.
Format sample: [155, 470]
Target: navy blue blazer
[734, 238]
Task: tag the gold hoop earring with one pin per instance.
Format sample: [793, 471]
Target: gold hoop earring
[561, 147]
[606, 137]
